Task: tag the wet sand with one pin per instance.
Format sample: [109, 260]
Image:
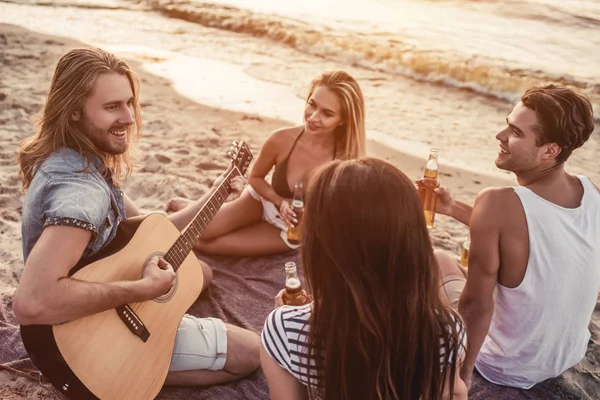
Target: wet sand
[188, 128]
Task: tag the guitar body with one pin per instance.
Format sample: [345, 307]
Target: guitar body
[103, 355]
[125, 352]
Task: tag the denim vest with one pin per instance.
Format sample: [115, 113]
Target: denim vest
[62, 194]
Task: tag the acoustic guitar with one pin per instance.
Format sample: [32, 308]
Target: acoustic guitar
[125, 353]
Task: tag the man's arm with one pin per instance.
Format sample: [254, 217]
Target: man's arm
[183, 217]
[46, 295]
[131, 209]
[446, 205]
[476, 304]
[260, 168]
[461, 212]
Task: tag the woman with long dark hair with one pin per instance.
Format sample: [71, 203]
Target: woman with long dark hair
[377, 328]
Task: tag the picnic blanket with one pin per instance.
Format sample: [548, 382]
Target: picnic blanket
[242, 294]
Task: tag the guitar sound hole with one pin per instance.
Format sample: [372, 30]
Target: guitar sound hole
[167, 296]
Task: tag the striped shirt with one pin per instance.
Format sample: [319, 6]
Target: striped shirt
[285, 335]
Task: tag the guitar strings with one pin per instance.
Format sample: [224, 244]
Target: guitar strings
[179, 258]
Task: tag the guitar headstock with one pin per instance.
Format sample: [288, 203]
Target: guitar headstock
[240, 156]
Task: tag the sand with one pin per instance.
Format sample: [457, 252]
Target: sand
[184, 144]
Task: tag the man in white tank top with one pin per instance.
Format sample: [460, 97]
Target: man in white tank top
[537, 245]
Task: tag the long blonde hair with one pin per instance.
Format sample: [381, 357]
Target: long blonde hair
[350, 136]
[73, 81]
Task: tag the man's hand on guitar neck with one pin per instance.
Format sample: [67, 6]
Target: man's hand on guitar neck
[236, 185]
[182, 217]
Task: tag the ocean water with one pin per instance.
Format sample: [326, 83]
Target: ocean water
[495, 47]
[441, 73]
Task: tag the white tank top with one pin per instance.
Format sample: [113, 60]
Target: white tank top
[540, 328]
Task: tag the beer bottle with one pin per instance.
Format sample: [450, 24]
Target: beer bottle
[294, 295]
[464, 252]
[430, 182]
[293, 232]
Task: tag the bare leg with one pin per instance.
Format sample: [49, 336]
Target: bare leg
[236, 214]
[260, 238]
[177, 203]
[243, 358]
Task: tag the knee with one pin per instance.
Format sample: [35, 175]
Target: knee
[207, 274]
[243, 351]
[447, 263]
[251, 361]
[204, 246]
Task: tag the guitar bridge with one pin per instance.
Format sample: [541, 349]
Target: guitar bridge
[133, 322]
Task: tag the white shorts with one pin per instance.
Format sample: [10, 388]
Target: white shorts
[201, 343]
[272, 216]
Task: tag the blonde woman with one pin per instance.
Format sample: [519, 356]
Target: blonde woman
[334, 128]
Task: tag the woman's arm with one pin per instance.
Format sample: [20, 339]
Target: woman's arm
[262, 165]
[460, 388]
[282, 384]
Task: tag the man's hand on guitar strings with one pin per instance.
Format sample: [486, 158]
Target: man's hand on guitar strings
[159, 276]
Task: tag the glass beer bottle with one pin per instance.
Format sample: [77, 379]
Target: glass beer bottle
[426, 189]
[294, 295]
[293, 232]
[464, 252]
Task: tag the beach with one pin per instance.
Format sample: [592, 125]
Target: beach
[204, 87]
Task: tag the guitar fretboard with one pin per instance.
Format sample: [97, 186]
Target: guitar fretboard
[186, 241]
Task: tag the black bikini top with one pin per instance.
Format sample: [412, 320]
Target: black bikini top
[279, 180]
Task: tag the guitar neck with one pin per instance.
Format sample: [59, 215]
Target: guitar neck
[186, 241]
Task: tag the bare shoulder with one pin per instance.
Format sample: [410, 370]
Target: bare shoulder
[496, 195]
[280, 141]
[496, 203]
[287, 133]
[284, 136]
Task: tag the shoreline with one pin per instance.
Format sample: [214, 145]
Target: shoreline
[208, 64]
[184, 142]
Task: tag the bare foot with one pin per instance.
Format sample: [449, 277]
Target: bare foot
[176, 204]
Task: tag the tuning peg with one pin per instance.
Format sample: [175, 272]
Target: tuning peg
[236, 143]
[230, 154]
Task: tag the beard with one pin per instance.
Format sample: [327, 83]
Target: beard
[102, 139]
[518, 162]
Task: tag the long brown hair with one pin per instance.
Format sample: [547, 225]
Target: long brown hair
[351, 136]
[377, 321]
[72, 83]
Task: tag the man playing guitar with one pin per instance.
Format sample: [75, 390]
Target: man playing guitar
[73, 168]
